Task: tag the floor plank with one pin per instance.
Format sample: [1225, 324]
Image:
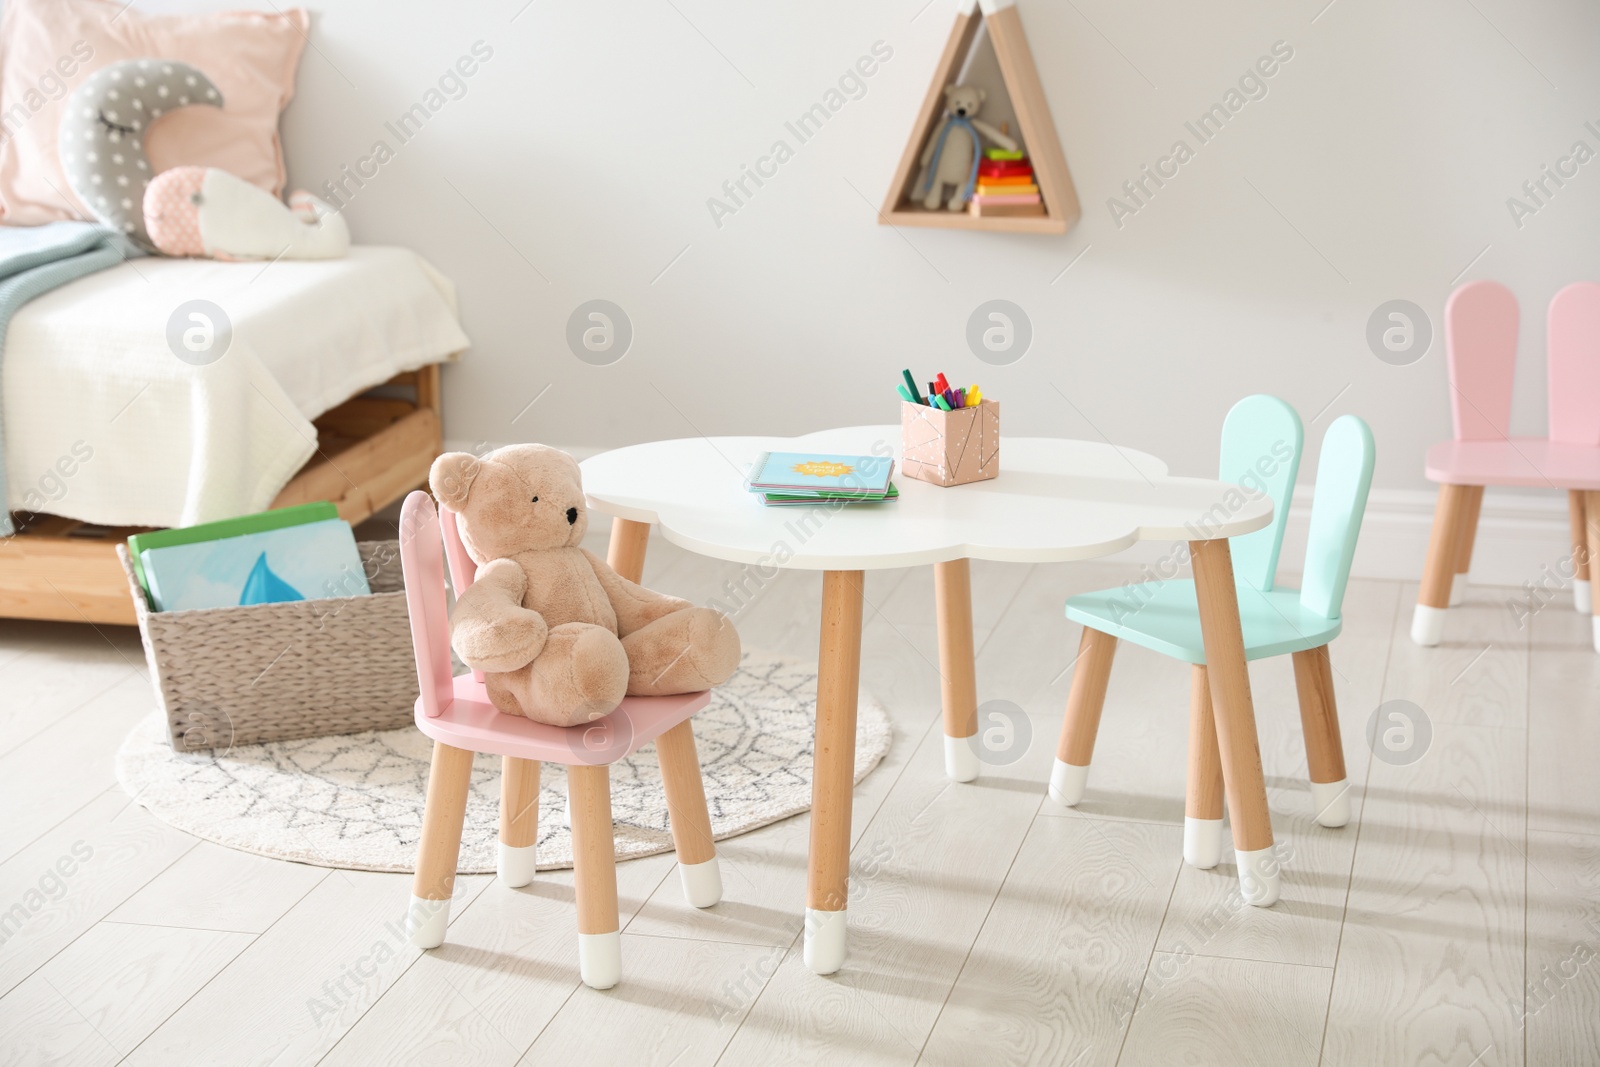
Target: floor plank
[508, 965]
[1054, 973]
[684, 1000]
[70, 878]
[218, 888]
[1561, 1001]
[294, 992]
[123, 980]
[1273, 1017]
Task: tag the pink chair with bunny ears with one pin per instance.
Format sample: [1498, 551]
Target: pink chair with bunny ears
[457, 715]
[1481, 343]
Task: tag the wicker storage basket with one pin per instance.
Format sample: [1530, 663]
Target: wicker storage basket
[275, 672]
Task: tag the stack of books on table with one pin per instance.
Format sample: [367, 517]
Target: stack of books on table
[788, 479]
[1005, 186]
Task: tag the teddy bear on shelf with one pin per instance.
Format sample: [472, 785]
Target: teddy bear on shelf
[953, 160]
[560, 636]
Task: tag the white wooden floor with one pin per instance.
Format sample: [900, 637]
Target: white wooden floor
[1455, 921]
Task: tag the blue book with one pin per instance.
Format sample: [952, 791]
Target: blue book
[306, 562]
[848, 476]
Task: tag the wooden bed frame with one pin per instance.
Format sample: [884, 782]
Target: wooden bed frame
[371, 450]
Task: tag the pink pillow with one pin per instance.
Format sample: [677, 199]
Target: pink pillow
[48, 47]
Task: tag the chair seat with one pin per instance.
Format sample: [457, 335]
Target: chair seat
[470, 721]
[1164, 617]
[1530, 461]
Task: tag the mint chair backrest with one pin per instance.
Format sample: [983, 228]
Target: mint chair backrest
[1344, 474]
[1480, 339]
[1261, 443]
[1573, 351]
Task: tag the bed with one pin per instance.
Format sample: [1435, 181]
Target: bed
[328, 389]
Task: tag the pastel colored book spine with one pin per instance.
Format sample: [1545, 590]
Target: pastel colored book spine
[1007, 190]
[1002, 199]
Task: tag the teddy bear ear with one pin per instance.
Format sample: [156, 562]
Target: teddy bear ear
[982, 96]
[451, 478]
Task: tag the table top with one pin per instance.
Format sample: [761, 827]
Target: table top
[1054, 500]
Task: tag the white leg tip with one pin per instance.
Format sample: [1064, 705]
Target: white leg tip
[1330, 802]
[426, 922]
[960, 761]
[825, 940]
[1583, 597]
[1427, 625]
[1258, 876]
[1458, 589]
[702, 882]
[1596, 625]
[600, 959]
[516, 865]
[1067, 782]
[1202, 842]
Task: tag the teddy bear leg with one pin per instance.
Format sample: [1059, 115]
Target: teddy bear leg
[581, 675]
[935, 195]
[690, 650]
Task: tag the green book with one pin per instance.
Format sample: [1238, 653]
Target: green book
[277, 519]
[778, 500]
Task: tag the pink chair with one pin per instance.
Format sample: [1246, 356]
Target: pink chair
[457, 715]
[1481, 342]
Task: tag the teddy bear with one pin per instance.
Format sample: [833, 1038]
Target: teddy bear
[560, 636]
[953, 160]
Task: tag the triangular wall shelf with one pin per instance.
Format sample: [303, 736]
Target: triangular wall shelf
[1036, 129]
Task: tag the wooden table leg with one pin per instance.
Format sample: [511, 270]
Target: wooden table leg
[625, 554]
[1591, 512]
[1202, 808]
[1439, 572]
[1471, 509]
[958, 684]
[1582, 596]
[1235, 720]
[833, 765]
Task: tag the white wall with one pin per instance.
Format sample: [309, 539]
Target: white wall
[580, 160]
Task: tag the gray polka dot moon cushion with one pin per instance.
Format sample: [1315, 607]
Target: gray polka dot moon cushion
[103, 131]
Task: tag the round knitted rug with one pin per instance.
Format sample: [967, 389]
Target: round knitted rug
[355, 800]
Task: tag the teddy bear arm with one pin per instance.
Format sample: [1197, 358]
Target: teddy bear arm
[490, 629]
[635, 605]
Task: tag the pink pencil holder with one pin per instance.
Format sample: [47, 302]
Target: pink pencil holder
[950, 447]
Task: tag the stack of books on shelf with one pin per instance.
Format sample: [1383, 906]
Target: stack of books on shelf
[1005, 186]
[789, 479]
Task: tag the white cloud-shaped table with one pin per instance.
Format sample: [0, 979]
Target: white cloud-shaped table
[1054, 500]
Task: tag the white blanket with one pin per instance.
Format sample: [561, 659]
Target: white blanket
[104, 423]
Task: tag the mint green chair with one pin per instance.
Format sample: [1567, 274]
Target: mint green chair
[1163, 616]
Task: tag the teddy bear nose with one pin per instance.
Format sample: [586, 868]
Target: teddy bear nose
[572, 516]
